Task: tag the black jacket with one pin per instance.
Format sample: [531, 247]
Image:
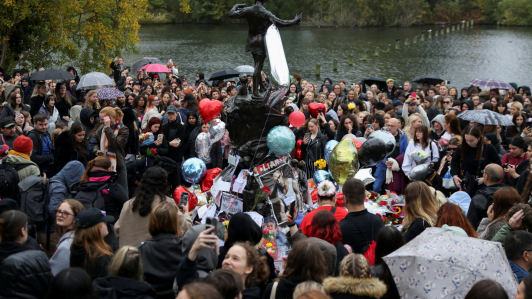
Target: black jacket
[36, 156]
[24, 273]
[342, 132]
[27, 94]
[469, 165]
[36, 104]
[65, 152]
[95, 267]
[161, 256]
[346, 287]
[63, 107]
[117, 70]
[215, 154]
[162, 149]
[116, 287]
[359, 229]
[315, 149]
[171, 131]
[478, 208]
[285, 288]
[415, 229]
[8, 111]
[133, 144]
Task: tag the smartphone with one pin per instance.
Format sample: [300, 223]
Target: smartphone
[369, 126]
[449, 153]
[210, 222]
[292, 209]
[17, 113]
[183, 199]
[160, 136]
[307, 135]
[505, 165]
[321, 111]
[178, 141]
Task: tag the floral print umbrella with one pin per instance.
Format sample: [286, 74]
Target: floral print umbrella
[108, 93]
[440, 264]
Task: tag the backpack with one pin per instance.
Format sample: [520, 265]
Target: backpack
[9, 179]
[35, 198]
[92, 198]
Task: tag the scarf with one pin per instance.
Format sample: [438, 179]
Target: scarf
[107, 150]
[15, 153]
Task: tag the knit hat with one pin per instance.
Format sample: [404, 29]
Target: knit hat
[519, 142]
[493, 138]
[397, 103]
[326, 188]
[23, 144]
[389, 80]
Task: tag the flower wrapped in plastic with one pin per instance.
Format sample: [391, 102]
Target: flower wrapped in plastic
[419, 156]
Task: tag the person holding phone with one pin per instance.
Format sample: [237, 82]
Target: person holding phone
[514, 162]
[157, 141]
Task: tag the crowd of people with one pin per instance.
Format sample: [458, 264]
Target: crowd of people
[109, 228]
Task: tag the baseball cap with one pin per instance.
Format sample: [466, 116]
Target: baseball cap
[135, 83]
[90, 217]
[7, 123]
[397, 103]
[171, 109]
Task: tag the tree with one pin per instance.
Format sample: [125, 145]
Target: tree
[87, 33]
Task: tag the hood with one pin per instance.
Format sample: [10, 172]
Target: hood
[71, 173]
[525, 88]
[122, 287]
[329, 253]
[493, 138]
[71, 68]
[329, 87]
[330, 80]
[462, 199]
[9, 89]
[15, 160]
[432, 112]
[438, 118]
[129, 116]
[84, 118]
[333, 115]
[207, 258]
[242, 228]
[470, 104]
[360, 287]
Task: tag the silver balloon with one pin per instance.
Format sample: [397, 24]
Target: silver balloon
[216, 130]
[419, 172]
[329, 148]
[203, 145]
[278, 65]
[320, 176]
[193, 170]
[388, 139]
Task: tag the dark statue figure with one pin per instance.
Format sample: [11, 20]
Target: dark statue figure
[259, 20]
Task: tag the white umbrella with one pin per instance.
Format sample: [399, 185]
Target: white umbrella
[94, 80]
[245, 70]
[440, 264]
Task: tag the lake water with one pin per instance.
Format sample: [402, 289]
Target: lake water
[474, 52]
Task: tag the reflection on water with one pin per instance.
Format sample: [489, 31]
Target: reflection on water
[479, 52]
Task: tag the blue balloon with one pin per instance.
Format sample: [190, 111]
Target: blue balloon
[320, 176]
[329, 148]
[193, 170]
[280, 140]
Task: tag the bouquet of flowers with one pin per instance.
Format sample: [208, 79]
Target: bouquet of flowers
[419, 156]
[389, 208]
[268, 234]
[270, 248]
[146, 139]
[320, 163]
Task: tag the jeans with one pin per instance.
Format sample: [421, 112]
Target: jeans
[380, 178]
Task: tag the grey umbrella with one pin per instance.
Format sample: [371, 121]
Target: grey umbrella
[245, 70]
[486, 117]
[51, 74]
[94, 80]
[146, 60]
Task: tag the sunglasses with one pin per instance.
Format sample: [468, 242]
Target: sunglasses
[446, 102]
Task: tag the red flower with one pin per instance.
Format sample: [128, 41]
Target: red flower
[266, 190]
[105, 191]
[379, 215]
[154, 151]
[383, 203]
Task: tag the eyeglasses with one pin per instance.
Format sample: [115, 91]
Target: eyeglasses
[59, 212]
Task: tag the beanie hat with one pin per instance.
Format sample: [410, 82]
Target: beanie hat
[519, 142]
[23, 144]
[389, 80]
[397, 103]
[326, 188]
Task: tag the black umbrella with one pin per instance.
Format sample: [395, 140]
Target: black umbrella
[381, 83]
[431, 79]
[225, 74]
[51, 74]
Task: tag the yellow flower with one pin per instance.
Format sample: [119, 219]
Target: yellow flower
[351, 106]
[269, 244]
[226, 222]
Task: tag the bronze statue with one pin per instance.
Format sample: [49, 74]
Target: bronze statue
[259, 20]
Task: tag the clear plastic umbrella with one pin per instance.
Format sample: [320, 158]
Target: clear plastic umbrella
[486, 117]
[245, 70]
[94, 80]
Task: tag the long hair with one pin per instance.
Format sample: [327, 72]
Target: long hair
[164, 219]
[419, 204]
[101, 162]
[325, 226]
[36, 89]
[527, 191]
[424, 142]
[154, 121]
[76, 207]
[92, 240]
[352, 118]
[47, 102]
[80, 147]
[90, 104]
[389, 239]
[513, 129]
[149, 105]
[13, 100]
[355, 265]
[127, 262]
[67, 96]
[408, 126]
[503, 199]
[451, 214]
[454, 124]
[152, 183]
[305, 262]
[501, 103]
[464, 147]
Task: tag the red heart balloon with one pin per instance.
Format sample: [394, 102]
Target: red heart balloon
[340, 200]
[313, 109]
[208, 180]
[314, 196]
[192, 199]
[209, 109]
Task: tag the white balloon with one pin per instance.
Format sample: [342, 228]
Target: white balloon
[216, 130]
[203, 145]
[278, 64]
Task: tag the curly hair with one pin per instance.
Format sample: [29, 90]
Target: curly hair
[152, 183]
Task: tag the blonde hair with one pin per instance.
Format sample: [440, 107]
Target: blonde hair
[113, 112]
[517, 105]
[355, 265]
[419, 204]
[127, 263]
[90, 104]
[408, 127]
[307, 286]
[440, 198]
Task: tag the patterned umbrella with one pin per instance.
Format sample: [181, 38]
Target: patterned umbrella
[440, 264]
[94, 80]
[108, 93]
[486, 117]
[491, 83]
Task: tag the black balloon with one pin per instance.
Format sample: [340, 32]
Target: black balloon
[388, 139]
[372, 152]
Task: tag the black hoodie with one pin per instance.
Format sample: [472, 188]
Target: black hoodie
[85, 118]
[116, 287]
[241, 229]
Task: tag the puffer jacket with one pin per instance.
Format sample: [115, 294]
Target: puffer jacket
[24, 273]
[349, 287]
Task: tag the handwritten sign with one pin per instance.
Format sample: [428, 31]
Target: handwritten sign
[231, 204]
[256, 217]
